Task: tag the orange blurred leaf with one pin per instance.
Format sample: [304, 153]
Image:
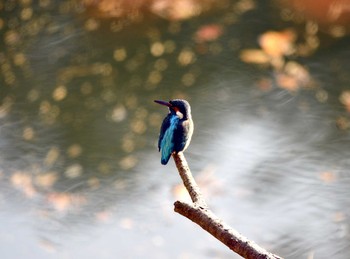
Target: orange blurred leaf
[345, 99]
[23, 182]
[255, 56]
[277, 44]
[64, 201]
[208, 32]
[46, 180]
[103, 216]
[176, 9]
[287, 82]
[328, 177]
[264, 84]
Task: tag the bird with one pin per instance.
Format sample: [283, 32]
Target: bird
[176, 130]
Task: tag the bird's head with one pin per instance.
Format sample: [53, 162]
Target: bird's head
[179, 107]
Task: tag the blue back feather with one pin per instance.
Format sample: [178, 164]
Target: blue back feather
[167, 141]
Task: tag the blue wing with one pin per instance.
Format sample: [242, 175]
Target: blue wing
[166, 139]
[163, 128]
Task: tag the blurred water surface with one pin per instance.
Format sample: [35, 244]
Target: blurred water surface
[80, 174]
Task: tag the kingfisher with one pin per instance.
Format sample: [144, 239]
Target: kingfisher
[176, 130]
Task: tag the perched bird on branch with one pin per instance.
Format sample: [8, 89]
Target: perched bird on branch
[176, 130]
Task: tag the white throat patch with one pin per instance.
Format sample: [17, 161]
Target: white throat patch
[179, 114]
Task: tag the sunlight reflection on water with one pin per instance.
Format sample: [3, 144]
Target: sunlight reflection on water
[281, 169]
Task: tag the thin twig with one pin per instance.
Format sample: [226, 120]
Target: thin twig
[188, 180]
[200, 214]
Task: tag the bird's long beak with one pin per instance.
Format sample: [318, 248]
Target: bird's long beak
[163, 103]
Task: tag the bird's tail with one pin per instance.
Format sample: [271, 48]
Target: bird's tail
[165, 158]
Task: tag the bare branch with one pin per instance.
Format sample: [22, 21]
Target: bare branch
[188, 180]
[220, 230]
[200, 214]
